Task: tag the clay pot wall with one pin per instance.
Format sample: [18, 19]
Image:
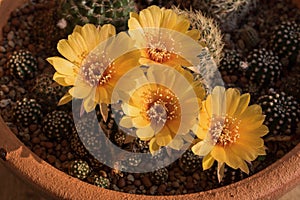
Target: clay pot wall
[270, 183]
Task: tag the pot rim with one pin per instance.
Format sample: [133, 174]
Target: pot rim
[273, 181]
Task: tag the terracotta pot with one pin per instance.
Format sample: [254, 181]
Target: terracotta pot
[270, 183]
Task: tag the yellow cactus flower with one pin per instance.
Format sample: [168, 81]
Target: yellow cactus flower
[162, 107]
[230, 130]
[164, 37]
[94, 59]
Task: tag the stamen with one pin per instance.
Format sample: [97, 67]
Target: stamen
[97, 70]
[224, 131]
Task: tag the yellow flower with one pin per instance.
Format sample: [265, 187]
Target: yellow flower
[230, 130]
[162, 108]
[95, 58]
[164, 37]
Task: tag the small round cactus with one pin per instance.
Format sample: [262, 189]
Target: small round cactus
[79, 169]
[57, 125]
[232, 63]
[119, 137]
[102, 182]
[97, 12]
[99, 179]
[27, 111]
[47, 92]
[249, 36]
[282, 112]
[263, 67]
[189, 162]
[141, 146]
[77, 145]
[159, 176]
[286, 40]
[22, 65]
[232, 175]
[88, 133]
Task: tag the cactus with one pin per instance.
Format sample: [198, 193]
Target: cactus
[79, 169]
[23, 65]
[232, 63]
[159, 176]
[27, 111]
[48, 92]
[286, 40]
[99, 179]
[249, 36]
[189, 162]
[229, 13]
[264, 67]
[282, 112]
[210, 34]
[89, 135]
[57, 125]
[97, 12]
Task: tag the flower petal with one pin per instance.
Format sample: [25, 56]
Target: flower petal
[207, 162]
[163, 138]
[145, 133]
[61, 65]
[65, 99]
[126, 122]
[243, 104]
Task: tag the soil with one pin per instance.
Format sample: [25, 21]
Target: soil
[33, 27]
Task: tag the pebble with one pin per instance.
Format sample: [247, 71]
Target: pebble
[153, 189]
[10, 36]
[175, 184]
[35, 140]
[4, 88]
[51, 159]
[161, 189]
[196, 176]
[11, 44]
[70, 156]
[2, 61]
[33, 127]
[130, 177]
[48, 145]
[137, 183]
[121, 182]
[38, 151]
[146, 181]
[62, 157]
[2, 49]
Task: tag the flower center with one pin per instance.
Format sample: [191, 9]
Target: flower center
[159, 46]
[158, 55]
[97, 70]
[225, 131]
[157, 113]
[161, 104]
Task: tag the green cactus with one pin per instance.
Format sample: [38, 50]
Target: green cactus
[23, 65]
[57, 125]
[264, 67]
[27, 111]
[189, 162]
[282, 113]
[159, 176]
[97, 12]
[79, 169]
[286, 40]
[229, 13]
[47, 92]
[210, 34]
